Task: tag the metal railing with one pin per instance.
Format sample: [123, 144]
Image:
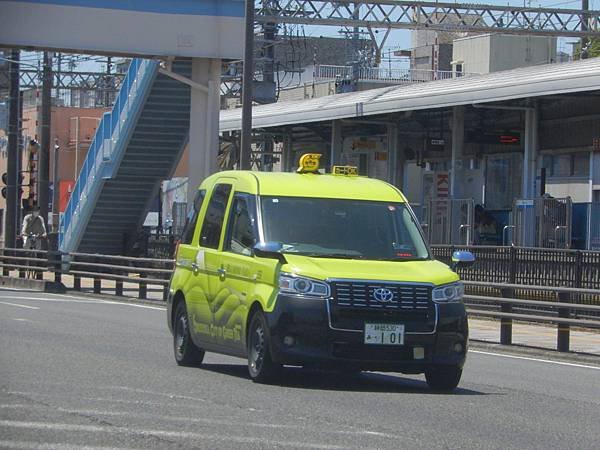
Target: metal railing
[108, 142]
[507, 300]
[143, 272]
[564, 309]
[394, 75]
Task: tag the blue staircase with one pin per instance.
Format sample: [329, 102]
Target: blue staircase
[138, 144]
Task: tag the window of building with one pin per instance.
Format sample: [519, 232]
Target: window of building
[241, 234]
[596, 196]
[581, 164]
[573, 164]
[215, 214]
[190, 223]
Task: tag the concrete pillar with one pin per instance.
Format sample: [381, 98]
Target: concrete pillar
[458, 140]
[393, 150]
[337, 142]
[531, 153]
[204, 123]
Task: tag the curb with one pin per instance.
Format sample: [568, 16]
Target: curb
[32, 285]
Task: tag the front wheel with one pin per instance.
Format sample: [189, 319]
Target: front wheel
[261, 366]
[186, 352]
[443, 378]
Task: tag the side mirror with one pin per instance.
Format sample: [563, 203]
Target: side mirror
[462, 259]
[269, 250]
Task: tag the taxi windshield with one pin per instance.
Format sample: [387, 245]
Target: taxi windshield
[340, 228]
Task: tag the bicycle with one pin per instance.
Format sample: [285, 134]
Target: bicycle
[33, 242]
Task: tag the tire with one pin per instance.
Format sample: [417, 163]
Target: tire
[261, 367]
[185, 351]
[445, 378]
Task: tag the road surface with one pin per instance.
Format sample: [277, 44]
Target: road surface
[78, 372]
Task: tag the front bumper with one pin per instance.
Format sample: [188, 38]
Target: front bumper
[318, 343]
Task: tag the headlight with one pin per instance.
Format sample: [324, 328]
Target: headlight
[451, 293]
[302, 286]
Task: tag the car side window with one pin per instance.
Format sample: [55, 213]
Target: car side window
[241, 228]
[215, 215]
[190, 222]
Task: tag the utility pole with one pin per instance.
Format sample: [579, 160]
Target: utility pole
[585, 6]
[58, 69]
[269, 31]
[356, 47]
[44, 155]
[12, 168]
[246, 145]
[108, 82]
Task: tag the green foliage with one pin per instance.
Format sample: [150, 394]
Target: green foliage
[593, 49]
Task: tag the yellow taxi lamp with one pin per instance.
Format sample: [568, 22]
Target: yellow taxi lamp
[309, 163]
[349, 171]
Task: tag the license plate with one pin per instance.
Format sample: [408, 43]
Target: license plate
[384, 334]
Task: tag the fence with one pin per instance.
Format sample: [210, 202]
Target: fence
[564, 306]
[594, 226]
[447, 221]
[541, 222]
[396, 76]
[124, 272]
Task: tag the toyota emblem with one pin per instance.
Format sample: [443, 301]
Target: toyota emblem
[383, 295]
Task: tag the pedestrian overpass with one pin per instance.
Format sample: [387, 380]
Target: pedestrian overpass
[136, 145]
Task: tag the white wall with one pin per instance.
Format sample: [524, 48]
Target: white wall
[577, 189]
[492, 53]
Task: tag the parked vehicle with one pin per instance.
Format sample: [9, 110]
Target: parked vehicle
[315, 270]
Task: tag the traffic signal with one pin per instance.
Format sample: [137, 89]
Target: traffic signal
[5, 182]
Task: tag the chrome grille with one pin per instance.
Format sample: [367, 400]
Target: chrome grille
[361, 294]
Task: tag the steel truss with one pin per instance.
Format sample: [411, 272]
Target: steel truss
[455, 17]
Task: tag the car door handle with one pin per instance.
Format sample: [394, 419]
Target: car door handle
[195, 268]
[222, 273]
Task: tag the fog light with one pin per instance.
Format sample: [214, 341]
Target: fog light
[458, 347]
[418, 352]
[289, 341]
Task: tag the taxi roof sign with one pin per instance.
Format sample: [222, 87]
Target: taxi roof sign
[309, 163]
[349, 171]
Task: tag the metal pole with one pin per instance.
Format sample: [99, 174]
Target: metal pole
[584, 27]
[44, 155]
[246, 146]
[12, 204]
[56, 189]
[76, 149]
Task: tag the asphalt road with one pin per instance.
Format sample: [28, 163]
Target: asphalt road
[87, 373]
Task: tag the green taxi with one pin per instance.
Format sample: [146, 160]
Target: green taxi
[314, 270]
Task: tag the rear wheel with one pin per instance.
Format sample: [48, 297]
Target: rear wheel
[261, 366]
[186, 352]
[444, 378]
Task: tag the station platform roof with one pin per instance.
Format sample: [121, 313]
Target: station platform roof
[526, 82]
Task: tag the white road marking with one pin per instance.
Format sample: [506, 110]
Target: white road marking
[97, 301]
[20, 306]
[158, 433]
[176, 419]
[549, 361]
[22, 320]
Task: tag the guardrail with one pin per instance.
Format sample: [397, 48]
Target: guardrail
[562, 306]
[564, 310]
[121, 270]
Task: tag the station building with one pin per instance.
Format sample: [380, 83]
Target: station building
[485, 159]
